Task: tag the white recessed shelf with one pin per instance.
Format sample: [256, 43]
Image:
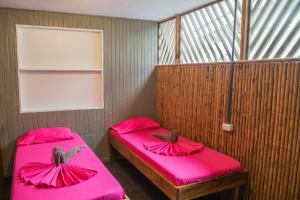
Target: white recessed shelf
[59, 68]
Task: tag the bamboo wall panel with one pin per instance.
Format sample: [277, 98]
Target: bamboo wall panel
[130, 55]
[265, 115]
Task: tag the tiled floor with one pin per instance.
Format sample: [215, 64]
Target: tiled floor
[137, 187]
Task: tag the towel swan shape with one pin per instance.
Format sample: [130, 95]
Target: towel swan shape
[57, 174]
[173, 145]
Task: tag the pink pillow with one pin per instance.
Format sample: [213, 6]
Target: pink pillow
[135, 124]
[43, 135]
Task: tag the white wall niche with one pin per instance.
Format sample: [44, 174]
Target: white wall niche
[59, 68]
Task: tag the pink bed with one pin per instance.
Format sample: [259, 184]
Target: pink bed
[180, 170]
[103, 186]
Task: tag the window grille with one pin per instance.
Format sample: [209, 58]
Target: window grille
[274, 29]
[207, 33]
[166, 50]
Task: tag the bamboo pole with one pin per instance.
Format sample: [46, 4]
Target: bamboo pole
[245, 26]
[177, 39]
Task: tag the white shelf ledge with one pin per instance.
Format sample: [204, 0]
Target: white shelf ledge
[59, 110]
[59, 70]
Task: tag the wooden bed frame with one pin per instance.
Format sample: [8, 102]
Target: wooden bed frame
[232, 181]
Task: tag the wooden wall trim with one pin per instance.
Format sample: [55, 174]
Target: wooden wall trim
[177, 39]
[245, 24]
[265, 114]
[280, 60]
[189, 11]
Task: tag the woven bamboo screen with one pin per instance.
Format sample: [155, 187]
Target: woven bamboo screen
[266, 118]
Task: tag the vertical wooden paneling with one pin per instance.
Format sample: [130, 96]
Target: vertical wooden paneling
[265, 115]
[129, 59]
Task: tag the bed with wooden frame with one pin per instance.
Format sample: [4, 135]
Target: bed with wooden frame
[101, 186]
[232, 181]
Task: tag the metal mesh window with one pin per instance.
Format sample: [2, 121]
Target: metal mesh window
[274, 29]
[166, 49]
[207, 33]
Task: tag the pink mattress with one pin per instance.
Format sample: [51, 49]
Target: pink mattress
[180, 170]
[103, 186]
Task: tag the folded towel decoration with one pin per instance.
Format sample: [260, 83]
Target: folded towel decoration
[56, 174]
[61, 157]
[173, 145]
[169, 137]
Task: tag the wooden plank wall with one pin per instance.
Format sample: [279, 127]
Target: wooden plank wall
[265, 115]
[130, 55]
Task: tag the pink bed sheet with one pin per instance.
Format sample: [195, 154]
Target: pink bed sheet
[180, 170]
[103, 186]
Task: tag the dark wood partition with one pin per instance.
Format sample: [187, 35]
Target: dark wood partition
[265, 116]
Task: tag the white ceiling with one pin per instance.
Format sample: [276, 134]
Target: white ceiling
[135, 9]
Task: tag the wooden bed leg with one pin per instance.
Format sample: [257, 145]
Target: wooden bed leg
[236, 193]
[113, 155]
[178, 196]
